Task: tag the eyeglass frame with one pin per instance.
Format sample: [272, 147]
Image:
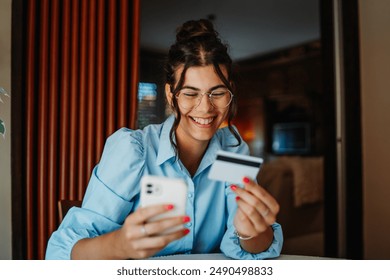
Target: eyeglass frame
[209, 94]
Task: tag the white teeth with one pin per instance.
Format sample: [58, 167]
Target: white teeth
[203, 121]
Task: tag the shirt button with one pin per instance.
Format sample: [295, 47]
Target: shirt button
[190, 195]
[189, 224]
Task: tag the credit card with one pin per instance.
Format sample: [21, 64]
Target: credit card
[232, 167]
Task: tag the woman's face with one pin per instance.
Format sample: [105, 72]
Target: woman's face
[200, 123]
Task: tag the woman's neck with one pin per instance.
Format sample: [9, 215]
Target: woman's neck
[191, 154]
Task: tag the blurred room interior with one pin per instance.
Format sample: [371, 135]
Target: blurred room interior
[276, 48]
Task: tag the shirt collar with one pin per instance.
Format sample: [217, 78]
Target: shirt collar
[165, 149]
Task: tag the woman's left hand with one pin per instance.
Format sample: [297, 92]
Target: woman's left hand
[257, 209]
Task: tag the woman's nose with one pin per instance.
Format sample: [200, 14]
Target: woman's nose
[204, 103]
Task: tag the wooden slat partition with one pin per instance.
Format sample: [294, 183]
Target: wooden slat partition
[81, 86]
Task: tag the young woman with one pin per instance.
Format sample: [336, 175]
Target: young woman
[240, 222]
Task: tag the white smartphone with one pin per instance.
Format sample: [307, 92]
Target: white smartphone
[164, 190]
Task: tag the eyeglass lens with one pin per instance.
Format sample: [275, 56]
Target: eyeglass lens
[218, 98]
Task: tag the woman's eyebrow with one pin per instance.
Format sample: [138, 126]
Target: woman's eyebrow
[198, 89]
[217, 87]
[190, 87]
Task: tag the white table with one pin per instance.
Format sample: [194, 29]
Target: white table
[220, 256]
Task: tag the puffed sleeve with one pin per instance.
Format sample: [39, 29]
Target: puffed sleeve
[110, 196]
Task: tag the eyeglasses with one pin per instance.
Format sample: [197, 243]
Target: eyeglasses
[219, 98]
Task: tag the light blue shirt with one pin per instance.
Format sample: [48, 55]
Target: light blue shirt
[114, 187]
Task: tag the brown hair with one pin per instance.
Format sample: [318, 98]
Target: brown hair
[198, 44]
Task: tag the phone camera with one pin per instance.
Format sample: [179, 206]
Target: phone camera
[149, 189]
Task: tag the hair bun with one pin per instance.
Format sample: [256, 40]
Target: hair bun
[196, 29]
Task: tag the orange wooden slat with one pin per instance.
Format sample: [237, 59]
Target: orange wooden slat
[82, 97]
[111, 69]
[134, 72]
[30, 128]
[42, 95]
[64, 102]
[100, 80]
[74, 101]
[91, 93]
[52, 167]
[123, 65]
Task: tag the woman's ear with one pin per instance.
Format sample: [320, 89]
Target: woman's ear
[168, 94]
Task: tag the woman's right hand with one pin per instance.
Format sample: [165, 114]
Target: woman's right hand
[139, 239]
[136, 239]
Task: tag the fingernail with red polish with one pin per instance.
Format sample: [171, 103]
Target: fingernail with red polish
[233, 187]
[238, 198]
[169, 207]
[186, 231]
[246, 180]
[186, 219]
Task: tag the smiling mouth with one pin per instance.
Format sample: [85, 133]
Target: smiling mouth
[203, 121]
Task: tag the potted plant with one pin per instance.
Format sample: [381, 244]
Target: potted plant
[3, 93]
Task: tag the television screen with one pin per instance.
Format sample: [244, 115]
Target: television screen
[291, 138]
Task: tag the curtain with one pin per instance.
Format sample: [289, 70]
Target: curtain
[81, 77]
